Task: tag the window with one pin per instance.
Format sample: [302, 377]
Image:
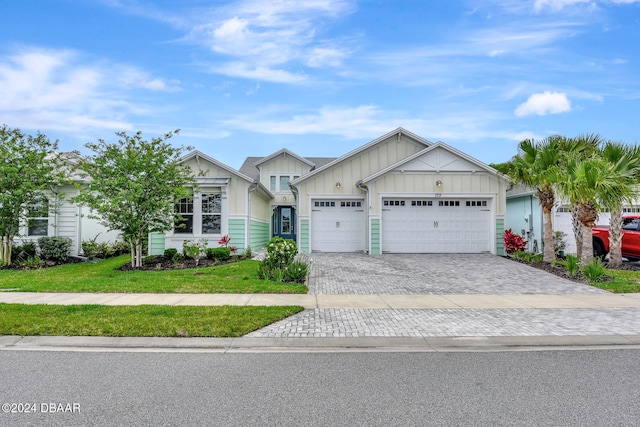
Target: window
[211, 213]
[185, 208]
[279, 183]
[38, 217]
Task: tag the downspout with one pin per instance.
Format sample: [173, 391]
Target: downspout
[294, 190]
[252, 187]
[364, 188]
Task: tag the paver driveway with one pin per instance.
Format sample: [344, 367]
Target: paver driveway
[411, 274]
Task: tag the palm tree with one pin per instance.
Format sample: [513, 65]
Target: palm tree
[537, 166]
[624, 160]
[587, 183]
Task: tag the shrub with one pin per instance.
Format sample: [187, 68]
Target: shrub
[247, 253]
[23, 252]
[170, 253]
[218, 254]
[296, 272]
[194, 250]
[594, 270]
[92, 249]
[559, 242]
[32, 263]
[121, 248]
[573, 264]
[513, 242]
[280, 252]
[55, 249]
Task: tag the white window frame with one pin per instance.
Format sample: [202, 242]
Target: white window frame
[198, 214]
[40, 199]
[275, 187]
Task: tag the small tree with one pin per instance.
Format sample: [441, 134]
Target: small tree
[28, 167]
[133, 186]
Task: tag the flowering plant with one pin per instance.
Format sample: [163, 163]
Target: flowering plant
[513, 242]
[224, 241]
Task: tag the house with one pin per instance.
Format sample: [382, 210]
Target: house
[398, 193]
[53, 214]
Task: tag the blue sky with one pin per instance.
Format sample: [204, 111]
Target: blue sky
[321, 77]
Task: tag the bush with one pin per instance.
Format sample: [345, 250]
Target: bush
[296, 272]
[55, 249]
[170, 253]
[513, 242]
[218, 254]
[121, 248]
[573, 264]
[594, 270]
[280, 252]
[23, 252]
[194, 250]
[32, 263]
[247, 253]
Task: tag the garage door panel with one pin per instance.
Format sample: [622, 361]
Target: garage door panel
[436, 226]
[337, 226]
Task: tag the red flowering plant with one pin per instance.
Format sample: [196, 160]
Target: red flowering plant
[224, 241]
[513, 242]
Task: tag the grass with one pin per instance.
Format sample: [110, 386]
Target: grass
[137, 321]
[103, 276]
[625, 281]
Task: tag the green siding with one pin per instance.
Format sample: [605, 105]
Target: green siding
[156, 244]
[375, 237]
[237, 234]
[499, 236]
[259, 234]
[303, 236]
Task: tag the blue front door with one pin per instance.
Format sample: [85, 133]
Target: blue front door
[284, 222]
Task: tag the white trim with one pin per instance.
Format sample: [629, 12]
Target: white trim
[283, 151]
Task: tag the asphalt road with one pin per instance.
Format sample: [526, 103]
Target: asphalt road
[559, 388]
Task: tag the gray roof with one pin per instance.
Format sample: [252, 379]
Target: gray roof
[248, 167]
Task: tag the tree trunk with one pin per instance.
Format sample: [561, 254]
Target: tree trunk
[132, 246]
[549, 253]
[615, 237]
[577, 231]
[139, 253]
[5, 250]
[587, 246]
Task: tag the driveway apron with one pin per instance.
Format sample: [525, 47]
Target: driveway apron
[445, 274]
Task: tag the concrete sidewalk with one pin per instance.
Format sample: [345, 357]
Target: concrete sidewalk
[320, 301]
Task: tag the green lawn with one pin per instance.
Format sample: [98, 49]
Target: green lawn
[238, 277]
[137, 321]
[626, 281]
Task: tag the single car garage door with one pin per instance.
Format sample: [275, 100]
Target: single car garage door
[435, 225]
[337, 226]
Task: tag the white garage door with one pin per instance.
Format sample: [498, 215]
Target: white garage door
[424, 225]
[337, 226]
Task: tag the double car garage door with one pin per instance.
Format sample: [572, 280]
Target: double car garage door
[408, 225]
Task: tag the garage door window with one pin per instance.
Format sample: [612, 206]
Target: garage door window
[474, 203]
[448, 202]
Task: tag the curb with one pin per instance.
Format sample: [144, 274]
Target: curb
[318, 345]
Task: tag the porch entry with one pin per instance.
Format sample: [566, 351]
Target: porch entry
[283, 222]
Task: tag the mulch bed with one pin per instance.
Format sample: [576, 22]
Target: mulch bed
[561, 271]
[159, 262]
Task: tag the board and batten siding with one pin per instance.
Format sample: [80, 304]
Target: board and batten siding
[236, 189]
[477, 183]
[282, 164]
[352, 169]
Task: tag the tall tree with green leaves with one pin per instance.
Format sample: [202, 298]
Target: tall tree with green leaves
[29, 167]
[133, 185]
[536, 166]
[624, 161]
[587, 183]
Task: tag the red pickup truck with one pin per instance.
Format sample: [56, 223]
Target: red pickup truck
[630, 238]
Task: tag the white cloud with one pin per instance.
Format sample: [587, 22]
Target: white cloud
[545, 103]
[59, 90]
[556, 5]
[266, 37]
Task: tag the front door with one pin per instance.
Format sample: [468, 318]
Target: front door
[284, 222]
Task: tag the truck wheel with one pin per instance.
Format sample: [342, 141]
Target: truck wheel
[598, 250]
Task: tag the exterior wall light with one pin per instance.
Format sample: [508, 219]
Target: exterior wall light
[338, 185]
[439, 184]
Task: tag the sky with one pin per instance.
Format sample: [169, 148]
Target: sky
[321, 77]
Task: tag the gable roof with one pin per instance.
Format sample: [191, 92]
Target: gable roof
[250, 169]
[285, 152]
[197, 154]
[436, 146]
[399, 131]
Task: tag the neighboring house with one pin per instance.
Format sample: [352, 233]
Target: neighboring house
[398, 193]
[53, 214]
[524, 217]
